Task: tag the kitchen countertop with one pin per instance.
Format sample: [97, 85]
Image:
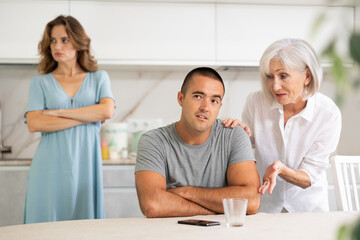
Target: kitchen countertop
[27, 162]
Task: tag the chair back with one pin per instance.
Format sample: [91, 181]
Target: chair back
[346, 173]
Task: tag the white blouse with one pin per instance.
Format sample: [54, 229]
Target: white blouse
[305, 143]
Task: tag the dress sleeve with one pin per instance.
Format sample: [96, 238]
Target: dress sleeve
[36, 97]
[317, 158]
[105, 87]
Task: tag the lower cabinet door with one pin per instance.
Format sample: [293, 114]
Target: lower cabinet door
[121, 203]
[13, 180]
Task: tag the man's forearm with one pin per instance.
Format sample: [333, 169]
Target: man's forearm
[211, 198]
[166, 204]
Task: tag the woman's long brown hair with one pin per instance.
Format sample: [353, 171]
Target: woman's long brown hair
[77, 36]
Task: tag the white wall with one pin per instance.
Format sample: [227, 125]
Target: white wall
[152, 94]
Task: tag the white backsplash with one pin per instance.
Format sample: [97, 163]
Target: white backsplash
[144, 95]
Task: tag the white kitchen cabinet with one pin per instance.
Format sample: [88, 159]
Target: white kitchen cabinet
[245, 31]
[167, 33]
[149, 33]
[120, 198]
[13, 180]
[22, 24]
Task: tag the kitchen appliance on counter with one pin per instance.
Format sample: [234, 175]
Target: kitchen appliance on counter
[138, 126]
[120, 139]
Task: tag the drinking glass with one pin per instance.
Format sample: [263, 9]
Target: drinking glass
[235, 211]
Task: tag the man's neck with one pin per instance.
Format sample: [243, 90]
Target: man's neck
[191, 136]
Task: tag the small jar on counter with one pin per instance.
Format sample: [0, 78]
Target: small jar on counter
[104, 150]
[113, 151]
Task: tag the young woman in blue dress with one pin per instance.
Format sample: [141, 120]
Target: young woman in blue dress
[67, 105]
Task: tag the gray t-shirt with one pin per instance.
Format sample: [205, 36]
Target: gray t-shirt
[163, 151]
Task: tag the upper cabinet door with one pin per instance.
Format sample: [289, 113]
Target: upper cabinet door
[149, 33]
[164, 33]
[22, 24]
[245, 31]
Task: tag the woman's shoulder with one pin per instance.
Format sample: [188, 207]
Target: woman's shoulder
[256, 94]
[327, 106]
[99, 76]
[324, 102]
[41, 78]
[99, 73]
[256, 98]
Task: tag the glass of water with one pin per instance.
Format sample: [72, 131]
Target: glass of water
[235, 211]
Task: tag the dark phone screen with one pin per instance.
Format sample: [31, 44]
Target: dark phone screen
[199, 222]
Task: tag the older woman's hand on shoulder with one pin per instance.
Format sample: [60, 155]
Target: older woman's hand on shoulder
[229, 122]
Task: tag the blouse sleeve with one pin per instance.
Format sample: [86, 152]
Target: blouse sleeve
[317, 158]
[247, 116]
[36, 98]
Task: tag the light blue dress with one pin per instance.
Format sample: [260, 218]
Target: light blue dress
[65, 177]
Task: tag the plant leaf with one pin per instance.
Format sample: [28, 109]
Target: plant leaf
[329, 50]
[355, 47]
[342, 233]
[356, 231]
[319, 20]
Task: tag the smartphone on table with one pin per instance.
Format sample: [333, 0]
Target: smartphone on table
[197, 222]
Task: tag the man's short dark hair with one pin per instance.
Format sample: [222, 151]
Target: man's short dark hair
[202, 71]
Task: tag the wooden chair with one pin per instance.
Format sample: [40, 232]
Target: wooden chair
[346, 173]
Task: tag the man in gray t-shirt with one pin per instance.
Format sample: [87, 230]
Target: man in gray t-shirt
[188, 167]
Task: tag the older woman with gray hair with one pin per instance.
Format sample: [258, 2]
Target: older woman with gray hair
[294, 129]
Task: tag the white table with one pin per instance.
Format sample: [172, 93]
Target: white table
[304, 226]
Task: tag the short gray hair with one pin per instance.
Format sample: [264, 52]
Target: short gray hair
[294, 54]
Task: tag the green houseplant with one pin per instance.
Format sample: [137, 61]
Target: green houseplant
[349, 231]
[345, 75]
[345, 78]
